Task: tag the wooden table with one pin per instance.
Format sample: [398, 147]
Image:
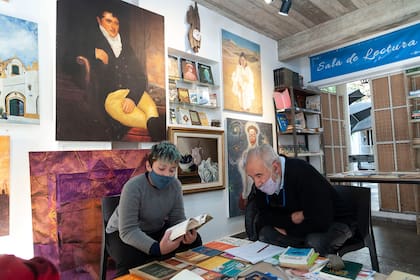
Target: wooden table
[409, 177]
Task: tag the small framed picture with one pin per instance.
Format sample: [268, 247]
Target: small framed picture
[205, 74]
[195, 119]
[173, 67]
[183, 95]
[189, 71]
[184, 117]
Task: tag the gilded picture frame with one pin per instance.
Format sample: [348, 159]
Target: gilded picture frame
[201, 168]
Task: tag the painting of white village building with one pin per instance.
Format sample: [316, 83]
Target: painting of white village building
[19, 86]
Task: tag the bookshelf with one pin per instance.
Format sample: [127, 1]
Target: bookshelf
[302, 134]
[194, 99]
[412, 77]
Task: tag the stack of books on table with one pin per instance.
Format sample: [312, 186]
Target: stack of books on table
[298, 258]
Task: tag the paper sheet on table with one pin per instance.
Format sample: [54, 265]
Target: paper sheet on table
[253, 253]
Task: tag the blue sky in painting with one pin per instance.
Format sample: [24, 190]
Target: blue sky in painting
[18, 38]
[226, 35]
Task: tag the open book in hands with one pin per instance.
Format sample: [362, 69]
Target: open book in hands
[189, 224]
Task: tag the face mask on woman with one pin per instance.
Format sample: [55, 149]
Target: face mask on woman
[160, 181]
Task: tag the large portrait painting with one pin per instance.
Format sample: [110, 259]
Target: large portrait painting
[4, 185]
[110, 72]
[241, 74]
[66, 192]
[19, 86]
[241, 136]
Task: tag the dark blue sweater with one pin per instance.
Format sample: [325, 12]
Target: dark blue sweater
[305, 190]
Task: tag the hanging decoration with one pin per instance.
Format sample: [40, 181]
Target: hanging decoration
[194, 34]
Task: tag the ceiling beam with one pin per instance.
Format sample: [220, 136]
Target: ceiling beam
[378, 17]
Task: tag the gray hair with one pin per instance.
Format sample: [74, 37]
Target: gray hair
[264, 152]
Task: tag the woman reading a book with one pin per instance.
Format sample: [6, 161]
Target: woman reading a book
[150, 203]
[294, 202]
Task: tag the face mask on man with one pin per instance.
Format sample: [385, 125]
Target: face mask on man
[270, 186]
[160, 181]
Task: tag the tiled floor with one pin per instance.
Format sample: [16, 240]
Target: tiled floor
[397, 246]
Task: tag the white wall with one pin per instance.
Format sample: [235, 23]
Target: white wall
[27, 138]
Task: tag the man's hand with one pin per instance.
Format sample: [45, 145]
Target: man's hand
[297, 217]
[128, 105]
[101, 55]
[190, 236]
[166, 245]
[281, 230]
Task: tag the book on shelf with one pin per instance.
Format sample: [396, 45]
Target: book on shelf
[282, 99]
[154, 271]
[256, 251]
[282, 121]
[181, 228]
[172, 116]
[183, 95]
[189, 71]
[313, 102]
[225, 266]
[294, 255]
[193, 96]
[350, 271]
[173, 92]
[203, 118]
[184, 116]
[213, 99]
[173, 67]
[205, 74]
[203, 95]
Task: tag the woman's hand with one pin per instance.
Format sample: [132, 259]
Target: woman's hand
[167, 245]
[190, 236]
[297, 217]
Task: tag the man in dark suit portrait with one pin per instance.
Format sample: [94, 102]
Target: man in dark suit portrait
[115, 79]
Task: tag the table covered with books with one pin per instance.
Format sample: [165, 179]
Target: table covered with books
[235, 258]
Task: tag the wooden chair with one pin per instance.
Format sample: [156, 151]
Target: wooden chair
[359, 198]
[109, 203]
